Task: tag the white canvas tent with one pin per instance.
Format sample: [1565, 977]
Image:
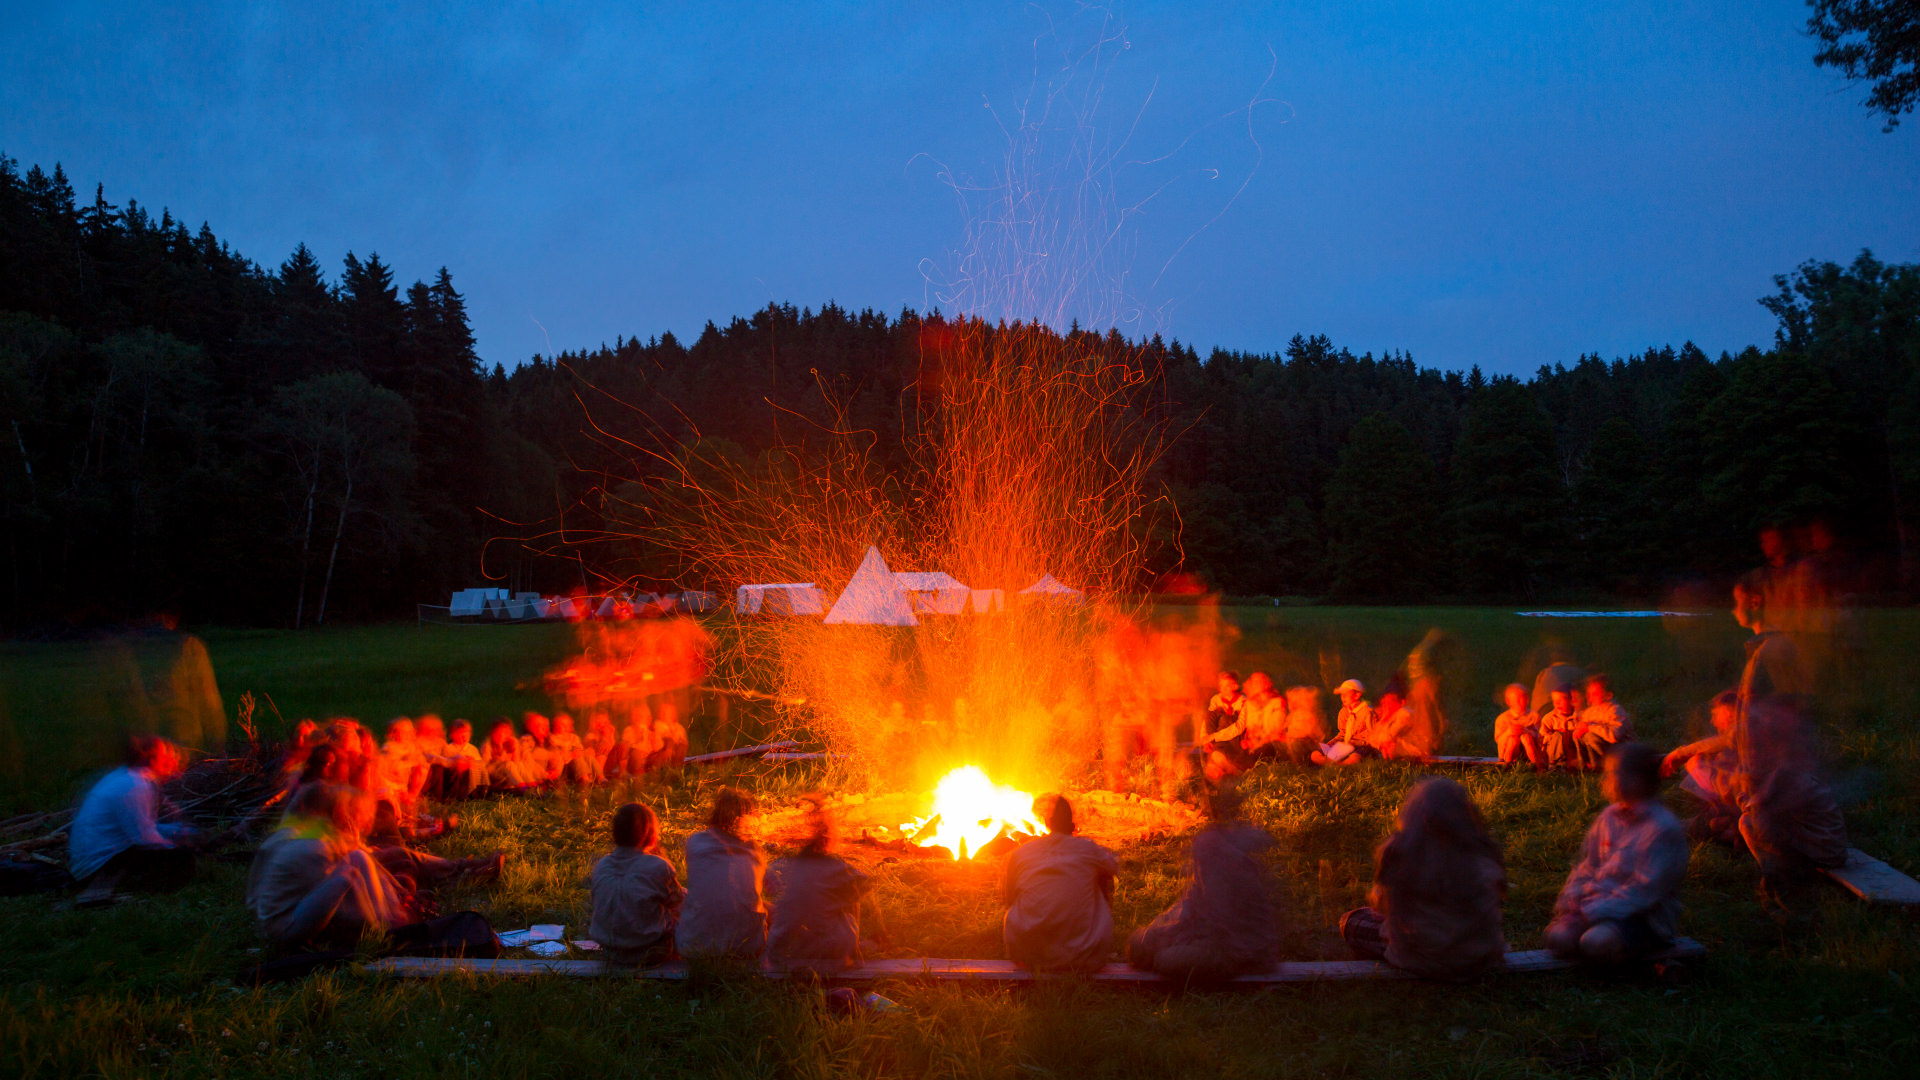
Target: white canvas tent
[935, 592]
[874, 597]
[471, 602]
[987, 601]
[1048, 590]
[698, 602]
[786, 598]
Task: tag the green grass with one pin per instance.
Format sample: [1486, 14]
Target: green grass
[140, 989]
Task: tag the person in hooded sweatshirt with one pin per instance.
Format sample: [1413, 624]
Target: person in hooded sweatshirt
[1059, 895]
[816, 902]
[1437, 886]
[725, 915]
[1622, 899]
[1224, 925]
[636, 894]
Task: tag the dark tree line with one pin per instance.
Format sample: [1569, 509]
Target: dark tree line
[187, 431]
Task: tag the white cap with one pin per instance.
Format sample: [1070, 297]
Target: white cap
[1350, 684]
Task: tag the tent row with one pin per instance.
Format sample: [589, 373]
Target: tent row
[877, 596]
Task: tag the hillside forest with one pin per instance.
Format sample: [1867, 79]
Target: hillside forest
[188, 434]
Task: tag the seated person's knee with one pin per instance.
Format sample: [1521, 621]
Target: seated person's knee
[1563, 937]
[1604, 943]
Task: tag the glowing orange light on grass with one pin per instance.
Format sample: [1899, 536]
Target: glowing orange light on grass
[970, 811]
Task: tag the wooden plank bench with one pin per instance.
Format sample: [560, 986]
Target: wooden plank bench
[1872, 880]
[996, 971]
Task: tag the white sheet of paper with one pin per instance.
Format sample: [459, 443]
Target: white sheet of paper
[548, 948]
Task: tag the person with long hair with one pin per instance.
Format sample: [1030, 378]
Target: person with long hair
[636, 894]
[725, 914]
[1437, 886]
[816, 898]
[1224, 925]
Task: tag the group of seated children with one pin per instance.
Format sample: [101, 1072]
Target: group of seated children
[1569, 729]
[1435, 909]
[1260, 724]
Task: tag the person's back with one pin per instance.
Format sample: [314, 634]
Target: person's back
[1224, 924]
[116, 833]
[1438, 884]
[816, 911]
[724, 914]
[636, 894]
[1059, 891]
[288, 867]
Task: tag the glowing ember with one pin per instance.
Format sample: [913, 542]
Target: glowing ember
[969, 811]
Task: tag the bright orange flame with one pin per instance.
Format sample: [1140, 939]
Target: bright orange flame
[969, 811]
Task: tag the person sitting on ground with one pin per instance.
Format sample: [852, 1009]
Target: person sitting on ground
[576, 766]
[636, 894]
[1603, 722]
[1437, 886]
[311, 884]
[466, 765]
[1263, 720]
[598, 743]
[117, 838]
[1303, 739]
[1712, 773]
[669, 739]
[1557, 742]
[816, 898]
[1517, 729]
[1353, 727]
[1622, 900]
[370, 827]
[725, 915]
[536, 747]
[1224, 925]
[630, 754]
[406, 766]
[1059, 895]
[1223, 709]
[430, 739]
[507, 768]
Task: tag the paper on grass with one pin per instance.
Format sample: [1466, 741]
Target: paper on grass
[590, 946]
[548, 948]
[537, 932]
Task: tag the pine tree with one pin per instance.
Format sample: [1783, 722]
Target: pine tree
[1510, 509]
[1381, 514]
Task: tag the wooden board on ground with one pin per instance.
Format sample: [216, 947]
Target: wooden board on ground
[1462, 760]
[1870, 879]
[948, 970]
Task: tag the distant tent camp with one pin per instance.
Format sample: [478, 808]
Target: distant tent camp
[1047, 590]
[786, 598]
[699, 602]
[874, 597]
[937, 593]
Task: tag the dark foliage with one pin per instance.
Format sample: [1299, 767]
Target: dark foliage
[1873, 40]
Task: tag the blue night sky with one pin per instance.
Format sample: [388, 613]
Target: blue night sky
[1507, 184]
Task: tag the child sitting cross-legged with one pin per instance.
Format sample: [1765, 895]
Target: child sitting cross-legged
[636, 894]
[1622, 900]
[1517, 729]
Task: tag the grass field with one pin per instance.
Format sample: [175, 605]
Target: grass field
[141, 989]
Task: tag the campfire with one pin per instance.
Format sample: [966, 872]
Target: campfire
[970, 811]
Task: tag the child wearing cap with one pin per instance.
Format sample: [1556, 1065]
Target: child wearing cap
[1354, 734]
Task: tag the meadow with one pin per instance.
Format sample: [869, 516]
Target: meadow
[144, 988]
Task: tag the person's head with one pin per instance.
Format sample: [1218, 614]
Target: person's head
[324, 765]
[460, 733]
[1776, 545]
[1750, 601]
[1351, 692]
[731, 808]
[1725, 710]
[1259, 685]
[1057, 812]
[154, 754]
[430, 727]
[635, 825]
[501, 736]
[1229, 682]
[1438, 813]
[400, 730]
[1390, 703]
[1599, 690]
[314, 800]
[307, 733]
[538, 727]
[1632, 772]
[1562, 698]
[823, 832]
[1517, 697]
[562, 724]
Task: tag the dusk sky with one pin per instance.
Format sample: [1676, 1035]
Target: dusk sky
[1507, 184]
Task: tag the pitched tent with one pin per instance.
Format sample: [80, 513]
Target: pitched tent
[564, 608]
[936, 592]
[1047, 590]
[874, 597]
[787, 598]
[987, 601]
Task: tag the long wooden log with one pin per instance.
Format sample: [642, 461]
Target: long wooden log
[740, 752]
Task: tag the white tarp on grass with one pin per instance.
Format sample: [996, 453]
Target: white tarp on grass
[874, 597]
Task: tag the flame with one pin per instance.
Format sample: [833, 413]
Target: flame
[970, 811]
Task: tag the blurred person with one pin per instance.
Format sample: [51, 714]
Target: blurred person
[816, 898]
[1622, 899]
[630, 754]
[507, 768]
[1354, 726]
[669, 738]
[1397, 732]
[1304, 738]
[117, 838]
[430, 738]
[1438, 882]
[635, 893]
[1427, 731]
[536, 746]
[1557, 740]
[1517, 729]
[1225, 923]
[1223, 708]
[406, 767]
[466, 766]
[1263, 721]
[725, 914]
[311, 883]
[1603, 722]
[1059, 895]
[577, 767]
[599, 742]
[1712, 773]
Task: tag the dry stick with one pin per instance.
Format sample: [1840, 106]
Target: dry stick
[37, 843]
[33, 821]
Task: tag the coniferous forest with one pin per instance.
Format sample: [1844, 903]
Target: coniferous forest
[185, 432]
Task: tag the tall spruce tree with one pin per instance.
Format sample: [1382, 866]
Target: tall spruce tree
[1382, 517]
[1512, 522]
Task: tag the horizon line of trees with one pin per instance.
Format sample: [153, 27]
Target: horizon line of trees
[185, 431]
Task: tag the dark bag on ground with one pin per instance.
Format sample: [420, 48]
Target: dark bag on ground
[461, 934]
